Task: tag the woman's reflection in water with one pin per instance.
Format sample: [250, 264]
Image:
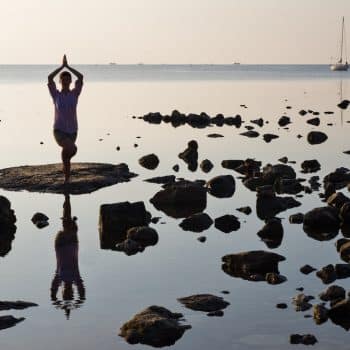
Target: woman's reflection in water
[67, 272]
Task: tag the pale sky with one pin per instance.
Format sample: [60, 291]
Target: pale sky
[171, 31]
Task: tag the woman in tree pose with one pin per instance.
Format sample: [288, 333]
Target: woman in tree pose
[65, 101]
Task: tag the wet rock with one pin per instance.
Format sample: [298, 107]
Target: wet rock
[227, 223]
[218, 120]
[288, 186]
[7, 226]
[206, 165]
[144, 235]
[259, 122]
[284, 121]
[214, 135]
[296, 218]
[250, 134]
[306, 339]
[15, 305]
[268, 207]
[339, 178]
[162, 179]
[155, 326]
[283, 160]
[204, 302]
[310, 166]
[251, 265]
[342, 270]
[181, 199]
[236, 121]
[302, 112]
[327, 274]
[272, 233]
[301, 302]
[202, 239]
[149, 161]
[344, 213]
[196, 223]
[232, 164]
[269, 137]
[340, 314]
[307, 269]
[344, 251]
[199, 121]
[282, 306]
[337, 200]
[222, 186]
[271, 173]
[245, 210]
[153, 118]
[176, 168]
[314, 121]
[322, 223]
[275, 278]
[190, 155]
[344, 104]
[86, 177]
[218, 313]
[333, 293]
[249, 168]
[320, 314]
[316, 137]
[9, 321]
[116, 219]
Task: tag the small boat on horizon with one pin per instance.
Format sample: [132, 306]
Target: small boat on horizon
[340, 66]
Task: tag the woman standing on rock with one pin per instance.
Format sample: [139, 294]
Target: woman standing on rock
[65, 125]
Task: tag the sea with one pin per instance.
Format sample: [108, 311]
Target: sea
[118, 286]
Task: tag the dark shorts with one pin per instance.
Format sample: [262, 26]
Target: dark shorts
[61, 136]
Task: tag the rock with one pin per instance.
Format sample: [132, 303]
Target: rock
[144, 235]
[288, 186]
[333, 293]
[314, 121]
[344, 213]
[204, 302]
[149, 161]
[344, 104]
[344, 251]
[202, 239]
[116, 219]
[236, 121]
[249, 168]
[342, 270]
[218, 313]
[321, 223]
[327, 274]
[86, 177]
[302, 112]
[222, 186]
[181, 199]
[320, 314]
[162, 179]
[339, 178]
[340, 314]
[272, 233]
[259, 122]
[301, 302]
[306, 339]
[129, 247]
[251, 264]
[176, 167]
[40, 220]
[296, 218]
[275, 278]
[196, 223]
[198, 121]
[245, 210]
[271, 173]
[206, 165]
[307, 269]
[232, 164]
[155, 326]
[269, 137]
[310, 166]
[227, 223]
[190, 155]
[268, 207]
[250, 134]
[284, 121]
[337, 200]
[316, 137]
[283, 160]
[153, 118]
[7, 226]
[9, 321]
[281, 306]
[15, 305]
[218, 120]
[215, 135]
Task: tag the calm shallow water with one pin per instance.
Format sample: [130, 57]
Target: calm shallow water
[118, 286]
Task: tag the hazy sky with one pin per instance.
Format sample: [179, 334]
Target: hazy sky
[171, 31]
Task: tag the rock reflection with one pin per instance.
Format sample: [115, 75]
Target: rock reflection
[67, 275]
[7, 226]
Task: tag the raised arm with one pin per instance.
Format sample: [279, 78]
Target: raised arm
[74, 71]
[52, 75]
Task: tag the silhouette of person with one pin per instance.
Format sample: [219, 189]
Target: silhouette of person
[67, 273]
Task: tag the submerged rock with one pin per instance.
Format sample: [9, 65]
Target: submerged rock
[196, 223]
[333, 293]
[296, 218]
[251, 265]
[204, 302]
[327, 274]
[181, 199]
[155, 326]
[149, 161]
[227, 223]
[222, 186]
[305, 339]
[307, 269]
[85, 177]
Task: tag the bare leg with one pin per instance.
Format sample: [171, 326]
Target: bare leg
[69, 149]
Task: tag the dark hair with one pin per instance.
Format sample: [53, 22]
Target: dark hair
[65, 74]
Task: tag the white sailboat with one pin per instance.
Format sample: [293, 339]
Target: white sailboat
[340, 66]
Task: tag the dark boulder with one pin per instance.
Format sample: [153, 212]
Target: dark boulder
[344, 104]
[340, 314]
[227, 223]
[272, 233]
[149, 161]
[320, 314]
[271, 173]
[206, 165]
[190, 155]
[232, 163]
[333, 293]
[316, 137]
[284, 121]
[155, 326]
[269, 137]
[204, 302]
[296, 218]
[7, 226]
[314, 121]
[327, 274]
[310, 166]
[222, 186]
[196, 223]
